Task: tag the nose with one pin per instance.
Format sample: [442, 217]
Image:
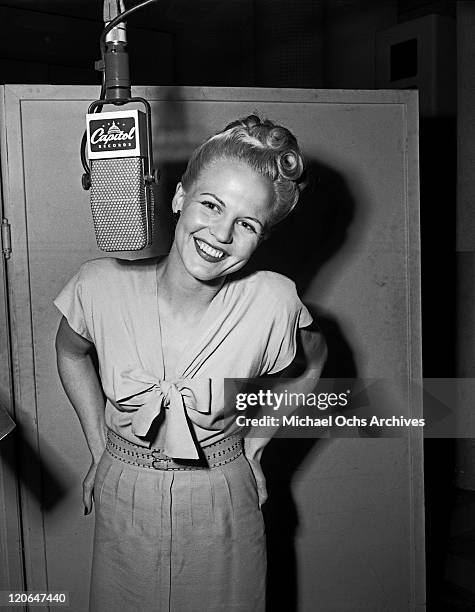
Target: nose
[222, 230]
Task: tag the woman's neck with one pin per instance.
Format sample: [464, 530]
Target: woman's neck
[180, 290]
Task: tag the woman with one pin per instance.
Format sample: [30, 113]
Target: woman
[177, 492]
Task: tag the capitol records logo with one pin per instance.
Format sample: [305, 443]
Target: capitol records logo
[112, 134]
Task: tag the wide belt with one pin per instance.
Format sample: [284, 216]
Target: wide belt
[226, 450]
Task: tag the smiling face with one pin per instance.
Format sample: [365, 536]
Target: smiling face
[224, 215]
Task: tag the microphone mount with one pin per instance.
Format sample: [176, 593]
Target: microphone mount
[116, 87]
[151, 174]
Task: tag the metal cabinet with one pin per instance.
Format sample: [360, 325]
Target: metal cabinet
[359, 502]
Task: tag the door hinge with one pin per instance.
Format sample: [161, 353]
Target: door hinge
[6, 239]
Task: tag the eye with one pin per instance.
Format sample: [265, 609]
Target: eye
[248, 227]
[210, 205]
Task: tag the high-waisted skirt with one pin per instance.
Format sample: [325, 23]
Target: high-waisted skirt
[177, 540]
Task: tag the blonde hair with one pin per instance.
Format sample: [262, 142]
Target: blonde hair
[269, 149]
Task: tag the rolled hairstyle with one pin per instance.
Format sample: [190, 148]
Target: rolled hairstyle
[269, 149]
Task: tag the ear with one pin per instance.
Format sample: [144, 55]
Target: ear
[178, 198]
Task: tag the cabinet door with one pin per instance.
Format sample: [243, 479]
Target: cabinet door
[359, 504]
[11, 562]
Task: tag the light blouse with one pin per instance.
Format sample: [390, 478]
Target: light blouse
[248, 330]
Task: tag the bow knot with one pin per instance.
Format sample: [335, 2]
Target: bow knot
[166, 388]
[146, 395]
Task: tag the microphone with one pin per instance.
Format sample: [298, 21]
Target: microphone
[119, 147]
[121, 192]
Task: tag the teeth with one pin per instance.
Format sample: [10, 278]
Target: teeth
[209, 250]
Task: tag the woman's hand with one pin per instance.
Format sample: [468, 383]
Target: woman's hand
[88, 488]
[83, 388]
[253, 448]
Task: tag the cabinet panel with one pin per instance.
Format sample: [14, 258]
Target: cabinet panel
[359, 504]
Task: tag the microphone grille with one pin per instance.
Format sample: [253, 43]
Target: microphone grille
[121, 204]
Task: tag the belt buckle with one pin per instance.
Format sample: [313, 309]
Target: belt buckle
[158, 463]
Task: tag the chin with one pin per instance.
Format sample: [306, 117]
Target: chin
[210, 276]
[204, 275]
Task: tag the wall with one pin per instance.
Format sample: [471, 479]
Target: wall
[205, 42]
[345, 515]
[349, 41]
[466, 137]
[466, 221]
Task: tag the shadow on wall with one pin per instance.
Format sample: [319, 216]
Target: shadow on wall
[298, 248]
[172, 135]
[42, 481]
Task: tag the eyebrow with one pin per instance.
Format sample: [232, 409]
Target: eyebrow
[215, 197]
[224, 205]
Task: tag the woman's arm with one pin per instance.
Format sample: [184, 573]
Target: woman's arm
[82, 386]
[310, 356]
[305, 368]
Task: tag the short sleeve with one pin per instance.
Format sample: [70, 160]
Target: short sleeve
[73, 304]
[290, 315]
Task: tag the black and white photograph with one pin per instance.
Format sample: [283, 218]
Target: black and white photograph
[237, 290]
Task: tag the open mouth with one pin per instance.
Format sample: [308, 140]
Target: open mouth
[207, 252]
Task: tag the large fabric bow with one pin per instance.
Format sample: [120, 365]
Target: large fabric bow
[149, 394]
